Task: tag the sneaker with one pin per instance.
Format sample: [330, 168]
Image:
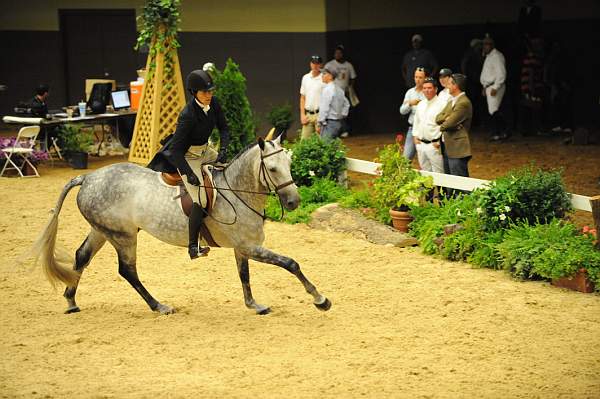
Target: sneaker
[556, 129]
[344, 135]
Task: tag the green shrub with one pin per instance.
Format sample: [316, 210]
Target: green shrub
[524, 195]
[322, 191]
[358, 199]
[231, 93]
[398, 186]
[318, 158]
[280, 117]
[72, 138]
[551, 250]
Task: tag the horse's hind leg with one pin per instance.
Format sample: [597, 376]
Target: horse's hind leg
[266, 256]
[126, 251]
[90, 246]
[244, 273]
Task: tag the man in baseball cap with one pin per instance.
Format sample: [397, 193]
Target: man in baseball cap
[310, 96]
[444, 94]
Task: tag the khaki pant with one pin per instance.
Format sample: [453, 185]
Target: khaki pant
[197, 156]
[311, 127]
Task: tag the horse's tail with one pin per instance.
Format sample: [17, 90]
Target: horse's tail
[56, 262]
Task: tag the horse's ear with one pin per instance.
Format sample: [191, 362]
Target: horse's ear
[277, 140]
[261, 143]
[269, 135]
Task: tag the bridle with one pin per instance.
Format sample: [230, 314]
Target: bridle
[266, 179]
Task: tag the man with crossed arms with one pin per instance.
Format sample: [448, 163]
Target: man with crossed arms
[426, 132]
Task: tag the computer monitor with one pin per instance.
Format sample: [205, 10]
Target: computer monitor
[100, 97]
[120, 99]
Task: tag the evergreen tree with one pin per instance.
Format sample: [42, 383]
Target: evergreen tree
[231, 93]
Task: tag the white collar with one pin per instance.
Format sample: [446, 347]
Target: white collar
[205, 108]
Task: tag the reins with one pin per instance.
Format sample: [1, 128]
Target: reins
[264, 177]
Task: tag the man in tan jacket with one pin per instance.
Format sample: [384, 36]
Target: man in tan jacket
[455, 122]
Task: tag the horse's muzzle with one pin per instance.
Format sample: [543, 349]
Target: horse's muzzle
[290, 200]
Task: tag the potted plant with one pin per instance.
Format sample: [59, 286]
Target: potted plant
[75, 142]
[281, 118]
[398, 187]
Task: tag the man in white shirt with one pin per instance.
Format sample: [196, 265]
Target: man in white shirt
[333, 107]
[345, 78]
[426, 132]
[409, 106]
[310, 96]
[444, 94]
[493, 78]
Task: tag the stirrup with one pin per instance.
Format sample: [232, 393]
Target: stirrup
[196, 251]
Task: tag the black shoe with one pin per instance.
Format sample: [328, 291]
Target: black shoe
[197, 251]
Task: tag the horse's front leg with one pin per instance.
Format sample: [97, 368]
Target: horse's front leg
[264, 255]
[244, 273]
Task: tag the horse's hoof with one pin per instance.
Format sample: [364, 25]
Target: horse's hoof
[72, 309]
[324, 306]
[164, 309]
[263, 311]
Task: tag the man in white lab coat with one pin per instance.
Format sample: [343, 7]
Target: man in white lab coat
[493, 80]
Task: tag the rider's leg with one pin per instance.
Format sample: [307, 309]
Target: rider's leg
[195, 222]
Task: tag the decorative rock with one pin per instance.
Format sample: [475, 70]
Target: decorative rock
[332, 217]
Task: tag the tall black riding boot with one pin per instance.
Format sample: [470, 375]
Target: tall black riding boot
[195, 222]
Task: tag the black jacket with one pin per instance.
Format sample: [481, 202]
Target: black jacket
[38, 107]
[193, 128]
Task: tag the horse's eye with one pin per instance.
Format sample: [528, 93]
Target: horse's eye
[272, 169]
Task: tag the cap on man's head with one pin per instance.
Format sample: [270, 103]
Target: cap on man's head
[417, 37]
[430, 80]
[340, 47]
[488, 39]
[460, 80]
[329, 71]
[42, 88]
[445, 72]
[315, 59]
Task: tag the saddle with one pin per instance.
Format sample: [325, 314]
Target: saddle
[175, 180]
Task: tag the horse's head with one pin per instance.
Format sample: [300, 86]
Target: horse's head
[275, 172]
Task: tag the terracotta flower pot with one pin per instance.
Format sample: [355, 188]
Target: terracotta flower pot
[579, 282]
[400, 220]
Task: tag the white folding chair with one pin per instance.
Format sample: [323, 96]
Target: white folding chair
[22, 149]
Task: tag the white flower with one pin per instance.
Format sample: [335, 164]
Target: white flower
[507, 208]
[502, 216]
[311, 173]
[458, 212]
[479, 210]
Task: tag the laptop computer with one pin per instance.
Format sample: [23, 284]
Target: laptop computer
[120, 99]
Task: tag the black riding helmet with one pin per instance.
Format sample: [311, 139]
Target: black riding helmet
[199, 80]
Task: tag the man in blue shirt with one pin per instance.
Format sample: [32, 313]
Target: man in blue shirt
[333, 107]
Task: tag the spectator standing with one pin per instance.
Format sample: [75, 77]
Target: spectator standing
[455, 122]
[493, 80]
[409, 106]
[471, 66]
[558, 75]
[426, 131]
[444, 94]
[333, 107]
[415, 58]
[310, 96]
[345, 78]
[532, 88]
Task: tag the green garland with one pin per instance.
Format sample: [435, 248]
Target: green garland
[159, 21]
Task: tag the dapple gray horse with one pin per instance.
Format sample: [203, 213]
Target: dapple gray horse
[121, 199]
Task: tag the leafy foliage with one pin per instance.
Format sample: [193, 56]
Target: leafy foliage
[524, 195]
[318, 158]
[74, 139]
[157, 25]
[322, 191]
[280, 117]
[398, 186]
[231, 93]
[35, 157]
[551, 250]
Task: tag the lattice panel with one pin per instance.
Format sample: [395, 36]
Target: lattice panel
[161, 102]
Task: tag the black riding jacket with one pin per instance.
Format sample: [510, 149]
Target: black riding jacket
[194, 127]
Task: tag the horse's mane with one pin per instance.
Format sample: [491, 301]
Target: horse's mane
[245, 149]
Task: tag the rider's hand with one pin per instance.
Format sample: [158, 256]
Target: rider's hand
[193, 179]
